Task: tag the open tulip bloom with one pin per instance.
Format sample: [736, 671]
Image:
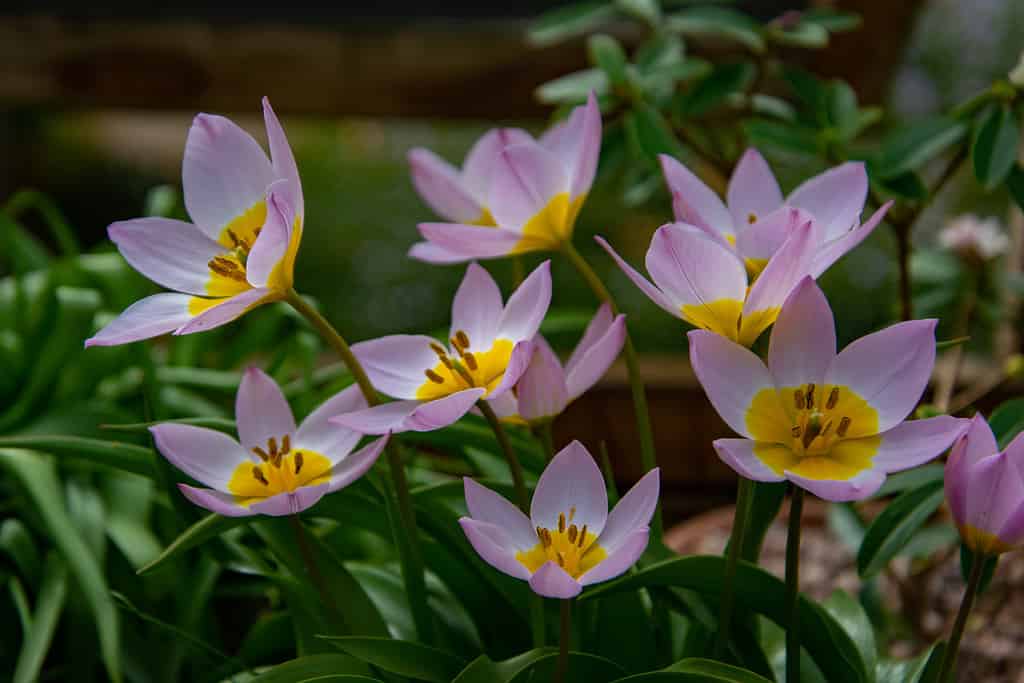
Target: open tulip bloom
[985, 490]
[239, 251]
[753, 220]
[699, 279]
[534, 190]
[274, 468]
[569, 540]
[830, 423]
[489, 347]
[547, 387]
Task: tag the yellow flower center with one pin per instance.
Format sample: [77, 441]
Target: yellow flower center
[552, 226]
[725, 317]
[575, 549]
[465, 369]
[280, 470]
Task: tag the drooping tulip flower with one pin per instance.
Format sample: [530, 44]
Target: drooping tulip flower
[535, 189]
[239, 251]
[700, 280]
[489, 347]
[830, 423]
[985, 490]
[749, 220]
[547, 387]
[275, 468]
[569, 540]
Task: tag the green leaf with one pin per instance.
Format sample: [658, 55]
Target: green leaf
[402, 657]
[207, 528]
[607, 54]
[330, 667]
[893, 528]
[16, 542]
[905, 670]
[49, 603]
[910, 479]
[764, 509]
[994, 148]
[831, 20]
[583, 668]
[1015, 184]
[772, 106]
[913, 146]
[724, 81]
[804, 34]
[718, 22]
[650, 133]
[907, 185]
[843, 109]
[967, 560]
[760, 592]
[1007, 421]
[573, 88]
[708, 670]
[645, 10]
[37, 478]
[851, 616]
[783, 136]
[568, 21]
[114, 454]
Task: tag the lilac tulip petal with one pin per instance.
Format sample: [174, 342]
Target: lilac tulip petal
[1015, 450]
[730, 374]
[150, 317]
[472, 241]
[739, 455]
[504, 405]
[283, 160]
[835, 198]
[753, 190]
[578, 142]
[272, 243]
[994, 492]
[652, 292]
[1012, 531]
[619, 559]
[353, 466]
[542, 391]
[527, 306]
[834, 249]
[571, 480]
[227, 310]
[414, 416]
[692, 200]
[526, 178]
[522, 352]
[692, 269]
[584, 371]
[396, 364]
[597, 328]
[483, 156]
[215, 501]
[765, 237]
[432, 253]
[291, 503]
[171, 253]
[208, 456]
[261, 410]
[487, 506]
[914, 443]
[551, 581]
[976, 443]
[633, 512]
[477, 308]
[803, 341]
[980, 442]
[858, 487]
[441, 187]
[224, 173]
[318, 433]
[889, 369]
[790, 264]
[493, 545]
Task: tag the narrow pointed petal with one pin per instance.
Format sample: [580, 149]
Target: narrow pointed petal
[353, 466]
[472, 241]
[693, 201]
[578, 142]
[396, 364]
[477, 308]
[527, 306]
[975, 443]
[291, 503]
[585, 370]
[493, 545]
[740, 455]
[272, 243]
[227, 310]
[652, 292]
[441, 187]
[914, 443]
[619, 560]
[889, 369]
[522, 352]
[208, 456]
[428, 252]
[150, 317]
[215, 501]
[171, 253]
[261, 410]
[597, 328]
[411, 416]
[803, 341]
[765, 237]
[224, 173]
[527, 177]
[753, 191]
[731, 376]
[834, 249]
[487, 506]
[835, 198]
[994, 492]
[785, 269]
[551, 581]
[694, 270]
[542, 391]
[283, 160]
[333, 441]
[483, 156]
[857, 488]
[633, 512]
[571, 480]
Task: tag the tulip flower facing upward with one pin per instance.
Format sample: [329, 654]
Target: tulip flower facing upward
[275, 468]
[490, 346]
[985, 490]
[569, 540]
[754, 220]
[239, 251]
[700, 280]
[534, 191]
[830, 423]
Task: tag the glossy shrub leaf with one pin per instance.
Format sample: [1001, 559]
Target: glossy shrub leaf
[1007, 421]
[913, 146]
[791, 138]
[967, 560]
[645, 10]
[804, 34]
[573, 88]
[994, 148]
[649, 132]
[907, 185]
[49, 603]
[718, 22]
[832, 20]
[724, 81]
[209, 527]
[851, 616]
[893, 528]
[568, 21]
[327, 667]
[710, 670]
[402, 657]
[607, 54]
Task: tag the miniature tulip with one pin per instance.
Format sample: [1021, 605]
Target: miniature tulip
[974, 239]
[700, 280]
[985, 490]
[239, 251]
[534, 191]
[489, 347]
[569, 540]
[749, 221]
[274, 468]
[830, 423]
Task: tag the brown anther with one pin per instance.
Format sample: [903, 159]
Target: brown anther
[561, 522]
[233, 237]
[470, 361]
[583, 536]
[439, 350]
[447, 362]
[298, 461]
[261, 453]
[547, 538]
[258, 474]
[795, 431]
[810, 395]
[844, 426]
[572, 512]
[433, 376]
[833, 398]
[540, 534]
[572, 533]
[812, 432]
[462, 338]
[286, 444]
[751, 218]
[798, 397]
[226, 268]
[824, 430]
[561, 559]
[272, 445]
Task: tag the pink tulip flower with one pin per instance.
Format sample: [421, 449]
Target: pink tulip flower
[239, 251]
[830, 423]
[569, 540]
[985, 490]
[489, 347]
[528, 191]
[274, 468]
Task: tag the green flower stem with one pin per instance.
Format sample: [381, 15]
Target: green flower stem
[636, 382]
[518, 480]
[796, 509]
[312, 569]
[401, 512]
[538, 626]
[547, 439]
[946, 673]
[563, 641]
[744, 506]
